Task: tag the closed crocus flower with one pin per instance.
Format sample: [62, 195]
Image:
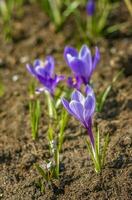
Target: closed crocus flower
[90, 7]
[82, 108]
[82, 64]
[44, 73]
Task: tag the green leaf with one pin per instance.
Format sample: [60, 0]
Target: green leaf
[129, 6]
[70, 9]
[50, 133]
[63, 123]
[103, 17]
[91, 153]
[41, 171]
[97, 146]
[106, 142]
[55, 12]
[1, 89]
[102, 98]
[57, 161]
[51, 106]
[35, 113]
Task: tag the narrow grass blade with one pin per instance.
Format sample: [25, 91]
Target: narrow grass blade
[70, 9]
[129, 6]
[35, 113]
[97, 147]
[63, 123]
[91, 153]
[103, 96]
[55, 12]
[106, 142]
[50, 133]
[1, 89]
[51, 106]
[57, 161]
[41, 171]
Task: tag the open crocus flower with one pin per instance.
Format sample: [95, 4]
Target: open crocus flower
[82, 108]
[74, 82]
[90, 7]
[44, 72]
[82, 64]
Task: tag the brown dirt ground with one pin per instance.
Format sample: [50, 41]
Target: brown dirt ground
[34, 36]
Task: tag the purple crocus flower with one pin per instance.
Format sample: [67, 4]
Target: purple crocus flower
[82, 64]
[44, 72]
[82, 108]
[90, 7]
[74, 82]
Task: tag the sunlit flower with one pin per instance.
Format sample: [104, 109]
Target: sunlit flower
[44, 73]
[82, 108]
[82, 64]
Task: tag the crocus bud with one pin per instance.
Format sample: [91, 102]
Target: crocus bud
[90, 7]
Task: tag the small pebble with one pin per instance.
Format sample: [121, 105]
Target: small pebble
[121, 53]
[119, 162]
[15, 78]
[24, 59]
[127, 141]
[113, 50]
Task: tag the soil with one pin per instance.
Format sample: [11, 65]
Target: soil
[34, 36]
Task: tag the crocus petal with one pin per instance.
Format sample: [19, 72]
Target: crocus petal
[39, 90]
[85, 55]
[89, 90]
[41, 79]
[85, 51]
[37, 62]
[77, 96]
[69, 51]
[31, 69]
[49, 65]
[41, 71]
[77, 109]
[77, 66]
[66, 105]
[96, 57]
[89, 108]
[48, 84]
[59, 78]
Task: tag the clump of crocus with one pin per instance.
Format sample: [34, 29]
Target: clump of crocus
[90, 7]
[83, 108]
[82, 64]
[44, 73]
